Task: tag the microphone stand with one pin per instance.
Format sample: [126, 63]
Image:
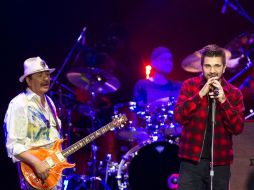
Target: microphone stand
[67, 58]
[212, 144]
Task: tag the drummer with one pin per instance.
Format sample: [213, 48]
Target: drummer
[159, 86]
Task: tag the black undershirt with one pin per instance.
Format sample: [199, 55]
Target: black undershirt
[206, 153]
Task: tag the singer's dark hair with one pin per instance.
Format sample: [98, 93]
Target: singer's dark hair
[213, 50]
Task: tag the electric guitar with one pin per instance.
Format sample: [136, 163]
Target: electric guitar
[55, 157]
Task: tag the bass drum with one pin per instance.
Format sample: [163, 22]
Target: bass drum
[149, 166]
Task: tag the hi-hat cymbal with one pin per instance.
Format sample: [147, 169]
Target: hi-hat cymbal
[94, 80]
[241, 44]
[192, 63]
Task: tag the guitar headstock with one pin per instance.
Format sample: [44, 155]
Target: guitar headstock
[119, 120]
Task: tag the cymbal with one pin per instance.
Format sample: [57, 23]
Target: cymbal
[94, 80]
[192, 63]
[241, 44]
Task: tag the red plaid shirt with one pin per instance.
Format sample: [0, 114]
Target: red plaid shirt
[192, 112]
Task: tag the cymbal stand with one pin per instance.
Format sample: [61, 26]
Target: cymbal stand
[93, 145]
[93, 172]
[108, 159]
[68, 57]
[93, 166]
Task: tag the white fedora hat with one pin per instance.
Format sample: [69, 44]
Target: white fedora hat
[34, 65]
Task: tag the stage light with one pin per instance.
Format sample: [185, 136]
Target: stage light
[148, 69]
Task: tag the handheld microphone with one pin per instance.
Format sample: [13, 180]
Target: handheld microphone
[216, 91]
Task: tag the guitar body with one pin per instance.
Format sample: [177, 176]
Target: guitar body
[56, 157]
[53, 155]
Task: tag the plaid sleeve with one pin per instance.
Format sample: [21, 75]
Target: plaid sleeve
[187, 102]
[234, 112]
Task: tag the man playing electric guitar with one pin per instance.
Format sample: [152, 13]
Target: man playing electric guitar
[31, 120]
[32, 131]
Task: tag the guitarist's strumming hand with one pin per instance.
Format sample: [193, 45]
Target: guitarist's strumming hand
[40, 168]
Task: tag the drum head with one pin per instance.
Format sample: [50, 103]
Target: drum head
[153, 167]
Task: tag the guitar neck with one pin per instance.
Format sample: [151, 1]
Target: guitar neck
[86, 140]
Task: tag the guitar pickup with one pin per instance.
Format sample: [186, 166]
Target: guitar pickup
[50, 162]
[60, 156]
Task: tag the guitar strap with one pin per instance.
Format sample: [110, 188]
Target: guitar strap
[54, 115]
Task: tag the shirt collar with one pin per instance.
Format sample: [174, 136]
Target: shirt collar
[30, 94]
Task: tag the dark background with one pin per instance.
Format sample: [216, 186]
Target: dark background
[50, 29]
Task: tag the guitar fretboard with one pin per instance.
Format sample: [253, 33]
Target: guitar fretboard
[81, 143]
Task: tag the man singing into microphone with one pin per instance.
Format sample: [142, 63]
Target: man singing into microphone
[194, 111]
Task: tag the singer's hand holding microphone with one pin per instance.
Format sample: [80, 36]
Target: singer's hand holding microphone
[214, 89]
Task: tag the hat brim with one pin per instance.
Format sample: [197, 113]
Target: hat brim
[21, 79]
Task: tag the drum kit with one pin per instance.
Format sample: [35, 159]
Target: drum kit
[150, 162]
[151, 132]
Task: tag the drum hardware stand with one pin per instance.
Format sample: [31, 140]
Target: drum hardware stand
[84, 183]
[69, 124]
[93, 166]
[122, 185]
[93, 145]
[55, 81]
[93, 177]
[108, 159]
[67, 58]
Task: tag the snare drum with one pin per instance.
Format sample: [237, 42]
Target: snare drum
[149, 166]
